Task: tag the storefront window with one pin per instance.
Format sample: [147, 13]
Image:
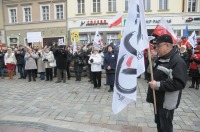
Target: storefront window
[113, 36]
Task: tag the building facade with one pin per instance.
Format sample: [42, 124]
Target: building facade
[2, 32]
[47, 17]
[87, 16]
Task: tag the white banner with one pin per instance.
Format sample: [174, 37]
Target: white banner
[34, 37]
[130, 59]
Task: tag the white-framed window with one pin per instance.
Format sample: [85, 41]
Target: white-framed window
[96, 6]
[192, 5]
[163, 4]
[12, 12]
[27, 11]
[111, 5]
[59, 11]
[126, 5]
[147, 5]
[45, 12]
[81, 6]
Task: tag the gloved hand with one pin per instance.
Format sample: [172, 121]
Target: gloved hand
[91, 60]
[39, 54]
[45, 60]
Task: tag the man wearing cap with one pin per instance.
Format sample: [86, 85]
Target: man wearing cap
[170, 76]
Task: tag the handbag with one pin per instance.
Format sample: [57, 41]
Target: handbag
[52, 64]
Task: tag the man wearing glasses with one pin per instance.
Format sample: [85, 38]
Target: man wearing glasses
[170, 76]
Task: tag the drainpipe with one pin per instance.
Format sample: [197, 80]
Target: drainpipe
[5, 35]
[66, 15]
[183, 5]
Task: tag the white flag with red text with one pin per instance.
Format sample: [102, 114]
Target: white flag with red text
[116, 20]
[74, 46]
[130, 62]
[193, 39]
[164, 28]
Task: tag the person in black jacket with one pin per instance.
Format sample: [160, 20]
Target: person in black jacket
[110, 61]
[78, 63]
[61, 62]
[170, 77]
[69, 59]
[19, 54]
[2, 65]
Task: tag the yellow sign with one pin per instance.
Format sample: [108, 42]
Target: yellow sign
[74, 34]
[119, 36]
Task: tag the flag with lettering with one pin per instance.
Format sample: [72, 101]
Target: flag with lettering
[130, 58]
[193, 39]
[97, 40]
[74, 46]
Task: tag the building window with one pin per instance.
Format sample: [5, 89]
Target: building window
[45, 13]
[163, 4]
[147, 5]
[96, 6]
[27, 14]
[192, 5]
[126, 5]
[81, 6]
[13, 15]
[59, 11]
[111, 5]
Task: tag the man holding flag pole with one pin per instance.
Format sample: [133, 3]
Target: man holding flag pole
[169, 78]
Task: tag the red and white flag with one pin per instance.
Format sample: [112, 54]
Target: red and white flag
[130, 62]
[164, 28]
[116, 20]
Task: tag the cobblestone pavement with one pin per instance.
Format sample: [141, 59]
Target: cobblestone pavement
[76, 106]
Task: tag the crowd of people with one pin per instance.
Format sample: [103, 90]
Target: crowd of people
[55, 62]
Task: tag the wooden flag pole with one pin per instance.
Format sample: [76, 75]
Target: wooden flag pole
[152, 78]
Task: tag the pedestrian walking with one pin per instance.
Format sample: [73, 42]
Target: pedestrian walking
[170, 77]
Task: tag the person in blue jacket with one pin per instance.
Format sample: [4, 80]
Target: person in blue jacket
[110, 61]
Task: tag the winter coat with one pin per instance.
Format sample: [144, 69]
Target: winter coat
[78, 57]
[194, 65]
[110, 59]
[2, 64]
[50, 57]
[61, 59]
[40, 62]
[30, 61]
[95, 61]
[10, 59]
[20, 57]
[170, 73]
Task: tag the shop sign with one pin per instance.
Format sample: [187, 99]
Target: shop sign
[151, 21]
[190, 19]
[94, 22]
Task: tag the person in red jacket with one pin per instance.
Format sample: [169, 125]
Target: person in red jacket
[194, 70]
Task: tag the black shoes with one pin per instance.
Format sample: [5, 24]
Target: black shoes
[192, 86]
[57, 81]
[110, 90]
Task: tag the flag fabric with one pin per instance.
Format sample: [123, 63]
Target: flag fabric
[193, 39]
[130, 62]
[110, 40]
[164, 28]
[88, 39]
[97, 40]
[116, 20]
[186, 31]
[74, 46]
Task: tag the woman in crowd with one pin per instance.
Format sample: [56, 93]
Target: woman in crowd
[194, 70]
[184, 54]
[40, 63]
[10, 62]
[30, 65]
[110, 61]
[48, 58]
[95, 62]
[78, 63]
